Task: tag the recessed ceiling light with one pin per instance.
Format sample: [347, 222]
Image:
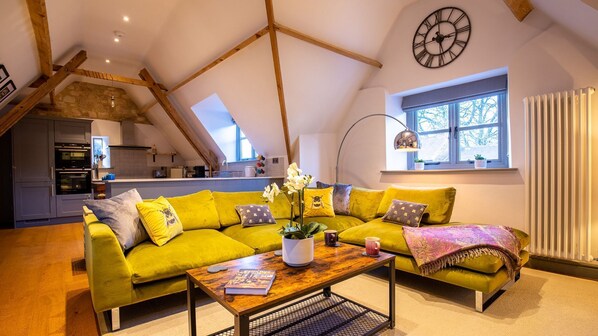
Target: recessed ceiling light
[125, 18]
[116, 39]
[118, 35]
[107, 60]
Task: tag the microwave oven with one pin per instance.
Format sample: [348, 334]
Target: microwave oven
[69, 156]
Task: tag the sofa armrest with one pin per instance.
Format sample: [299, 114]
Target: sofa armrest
[107, 269]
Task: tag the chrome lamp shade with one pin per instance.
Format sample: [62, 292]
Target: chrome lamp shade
[407, 141]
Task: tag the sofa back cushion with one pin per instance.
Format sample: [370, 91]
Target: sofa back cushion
[440, 202]
[364, 203]
[196, 211]
[226, 202]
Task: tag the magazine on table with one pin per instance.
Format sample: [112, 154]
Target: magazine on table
[250, 282]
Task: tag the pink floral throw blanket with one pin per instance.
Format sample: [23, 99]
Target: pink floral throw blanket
[435, 248]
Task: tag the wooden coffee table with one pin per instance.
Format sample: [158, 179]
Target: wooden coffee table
[324, 313]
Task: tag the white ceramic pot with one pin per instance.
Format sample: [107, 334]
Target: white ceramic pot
[297, 252]
[480, 164]
[419, 165]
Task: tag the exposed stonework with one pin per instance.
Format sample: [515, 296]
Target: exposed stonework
[87, 100]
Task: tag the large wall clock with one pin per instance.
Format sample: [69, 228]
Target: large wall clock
[441, 37]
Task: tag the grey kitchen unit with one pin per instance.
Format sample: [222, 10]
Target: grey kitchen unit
[34, 178]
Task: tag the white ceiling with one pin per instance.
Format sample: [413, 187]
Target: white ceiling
[175, 38]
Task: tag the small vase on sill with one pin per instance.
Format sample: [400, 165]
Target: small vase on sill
[100, 164]
[419, 166]
[480, 164]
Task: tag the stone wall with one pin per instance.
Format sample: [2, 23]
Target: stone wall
[91, 101]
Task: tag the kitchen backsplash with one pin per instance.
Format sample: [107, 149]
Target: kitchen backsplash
[128, 163]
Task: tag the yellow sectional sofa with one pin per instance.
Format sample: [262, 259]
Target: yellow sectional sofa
[212, 233]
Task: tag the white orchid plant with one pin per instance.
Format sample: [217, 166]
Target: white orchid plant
[295, 184]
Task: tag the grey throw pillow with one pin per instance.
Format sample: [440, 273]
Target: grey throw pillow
[120, 214]
[340, 196]
[405, 213]
[253, 215]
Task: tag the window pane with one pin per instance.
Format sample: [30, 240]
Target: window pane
[479, 111]
[478, 141]
[246, 150]
[432, 119]
[436, 147]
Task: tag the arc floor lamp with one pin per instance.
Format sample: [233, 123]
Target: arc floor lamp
[405, 141]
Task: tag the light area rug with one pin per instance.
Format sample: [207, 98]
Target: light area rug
[540, 303]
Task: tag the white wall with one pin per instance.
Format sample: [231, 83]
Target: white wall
[317, 155]
[540, 56]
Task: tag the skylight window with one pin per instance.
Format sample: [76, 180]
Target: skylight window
[231, 140]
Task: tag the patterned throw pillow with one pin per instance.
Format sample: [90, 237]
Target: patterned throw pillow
[405, 213]
[318, 203]
[160, 220]
[340, 196]
[120, 214]
[254, 215]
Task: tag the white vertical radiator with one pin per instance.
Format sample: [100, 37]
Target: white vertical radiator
[559, 174]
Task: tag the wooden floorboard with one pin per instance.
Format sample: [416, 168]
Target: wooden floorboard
[43, 284]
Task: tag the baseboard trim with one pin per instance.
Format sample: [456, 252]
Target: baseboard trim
[585, 270]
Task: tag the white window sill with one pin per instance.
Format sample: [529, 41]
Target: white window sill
[450, 171]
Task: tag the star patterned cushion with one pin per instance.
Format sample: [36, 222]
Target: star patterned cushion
[253, 214]
[405, 213]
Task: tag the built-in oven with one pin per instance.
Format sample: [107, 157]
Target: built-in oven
[73, 181]
[72, 156]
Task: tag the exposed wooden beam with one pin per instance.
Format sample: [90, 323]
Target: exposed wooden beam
[9, 119]
[519, 8]
[109, 77]
[325, 45]
[207, 155]
[214, 63]
[39, 20]
[278, 74]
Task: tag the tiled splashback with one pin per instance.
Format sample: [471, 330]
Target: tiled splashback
[130, 163]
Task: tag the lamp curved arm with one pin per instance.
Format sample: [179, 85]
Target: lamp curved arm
[338, 155]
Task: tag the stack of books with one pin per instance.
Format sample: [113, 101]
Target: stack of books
[250, 282]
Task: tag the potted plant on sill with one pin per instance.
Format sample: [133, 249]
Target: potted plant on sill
[297, 237]
[419, 164]
[480, 161]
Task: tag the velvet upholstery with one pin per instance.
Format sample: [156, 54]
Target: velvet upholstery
[440, 202]
[364, 203]
[196, 211]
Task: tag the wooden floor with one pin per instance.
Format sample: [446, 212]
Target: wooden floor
[43, 284]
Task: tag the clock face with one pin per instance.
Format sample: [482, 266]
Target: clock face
[441, 37]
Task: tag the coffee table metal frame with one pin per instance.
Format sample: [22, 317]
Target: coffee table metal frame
[242, 319]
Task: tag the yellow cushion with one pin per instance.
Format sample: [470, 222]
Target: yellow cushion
[192, 249]
[363, 203]
[226, 202]
[318, 202]
[262, 238]
[196, 211]
[160, 220]
[440, 202]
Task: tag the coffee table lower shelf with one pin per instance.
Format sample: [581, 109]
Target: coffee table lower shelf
[317, 315]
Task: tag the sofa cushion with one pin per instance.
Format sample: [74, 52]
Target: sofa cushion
[339, 222]
[392, 240]
[226, 202]
[120, 214]
[405, 213]
[254, 214]
[340, 196]
[192, 249]
[160, 220]
[263, 238]
[364, 203]
[196, 211]
[440, 202]
[318, 202]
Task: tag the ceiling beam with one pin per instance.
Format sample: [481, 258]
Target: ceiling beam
[325, 45]
[278, 75]
[109, 77]
[519, 8]
[214, 63]
[208, 156]
[39, 20]
[13, 116]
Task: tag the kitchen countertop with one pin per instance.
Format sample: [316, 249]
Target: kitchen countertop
[136, 180]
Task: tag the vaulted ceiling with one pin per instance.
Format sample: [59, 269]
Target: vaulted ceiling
[173, 39]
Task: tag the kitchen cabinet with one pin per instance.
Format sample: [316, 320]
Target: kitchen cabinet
[70, 205]
[34, 200]
[33, 150]
[72, 132]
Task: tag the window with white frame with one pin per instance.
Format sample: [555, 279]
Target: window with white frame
[457, 123]
[100, 150]
[244, 149]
